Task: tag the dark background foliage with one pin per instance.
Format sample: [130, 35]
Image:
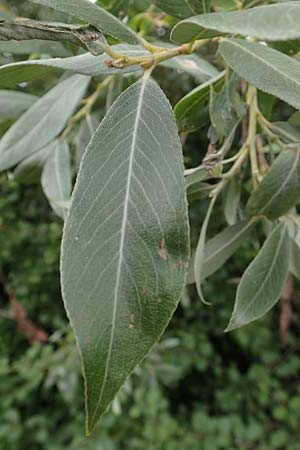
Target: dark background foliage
[199, 389]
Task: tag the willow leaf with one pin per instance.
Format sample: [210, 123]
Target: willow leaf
[42, 122]
[94, 15]
[86, 64]
[14, 103]
[125, 247]
[279, 191]
[255, 22]
[267, 69]
[57, 177]
[263, 281]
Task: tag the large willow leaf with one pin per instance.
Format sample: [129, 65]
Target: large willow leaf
[125, 244]
[263, 281]
[94, 15]
[267, 69]
[270, 23]
[279, 191]
[42, 122]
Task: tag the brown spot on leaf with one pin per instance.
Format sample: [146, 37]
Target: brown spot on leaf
[163, 251]
[132, 317]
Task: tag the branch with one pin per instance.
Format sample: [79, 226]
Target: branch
[159, 54]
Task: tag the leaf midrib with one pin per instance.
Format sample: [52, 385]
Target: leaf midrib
[287, 179]
[44, 119]
[275, 68]
[228, 243]
[122, 241]
[274, 261]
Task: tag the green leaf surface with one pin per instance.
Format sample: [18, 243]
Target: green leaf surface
[287, 131]
[279, 190]
[263, 281]
[49, 48]
[179, 8]
[29, 171]
[85, 36]
[195, 175]
[191, 111]
[57, 177]
[94, 15]
[267, 69]
[200, 251]
[294, 263]
[194, 65]
[269, 22]
[87, 129]
[86, 64]
[126, 241]
[221, 247]
[198, 190]
[232, 201]
[42, 122]
[14, 103]
[226, 108]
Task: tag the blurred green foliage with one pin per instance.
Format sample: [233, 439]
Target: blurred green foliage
[198, 389]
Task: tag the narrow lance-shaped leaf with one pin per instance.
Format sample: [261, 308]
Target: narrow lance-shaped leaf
[279, 191]
[126, 241]
[30, 169]
[94, 15]
[255, 22]
[86, 64]
[85, 36]
[57, 177]
[14, 103]
[267, 69]
[200, 251]
[220, 248]
[51, 48]
[263, 281]
[232, 201]
[191, 109]
[42, 122]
